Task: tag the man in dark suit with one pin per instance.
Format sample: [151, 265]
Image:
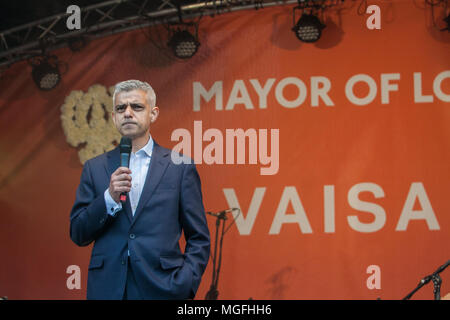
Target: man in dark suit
[136, 252]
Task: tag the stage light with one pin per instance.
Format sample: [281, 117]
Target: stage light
[447, 20]
[45, 72]
[183, 44]
[308, 28]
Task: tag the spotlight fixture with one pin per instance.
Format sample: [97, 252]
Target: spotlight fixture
[45, 72]
[308, 28]
[183, 44]
[447, 20]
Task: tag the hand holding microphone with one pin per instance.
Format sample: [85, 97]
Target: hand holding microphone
[120, 183]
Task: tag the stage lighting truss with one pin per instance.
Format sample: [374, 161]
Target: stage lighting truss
[111, 17]
[45, 71]
[116, 16]
[308, 28]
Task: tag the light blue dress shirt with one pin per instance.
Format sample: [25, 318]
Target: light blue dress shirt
[139, 164]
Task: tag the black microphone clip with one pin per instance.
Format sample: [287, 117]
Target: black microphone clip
[221, 214]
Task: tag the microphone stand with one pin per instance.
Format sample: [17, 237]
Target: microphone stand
[213, 293]
[435, 278]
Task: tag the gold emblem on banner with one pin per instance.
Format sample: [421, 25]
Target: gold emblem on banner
[86, 121]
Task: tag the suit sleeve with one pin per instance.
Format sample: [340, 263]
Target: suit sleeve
[194, 225]
[88, 217]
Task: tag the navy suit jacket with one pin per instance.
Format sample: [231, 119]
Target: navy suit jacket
[171, 202]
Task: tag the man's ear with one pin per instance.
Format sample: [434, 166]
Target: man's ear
[154, 114]
[113, 117]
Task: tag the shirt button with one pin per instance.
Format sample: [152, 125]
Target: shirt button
[132, 236]
[102, 220]
[123, 262]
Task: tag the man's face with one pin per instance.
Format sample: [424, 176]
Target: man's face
[132, 114]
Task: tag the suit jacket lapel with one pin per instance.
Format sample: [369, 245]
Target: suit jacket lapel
[158, 165]
[113, 162]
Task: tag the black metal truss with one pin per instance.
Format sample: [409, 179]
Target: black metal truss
[115, 16]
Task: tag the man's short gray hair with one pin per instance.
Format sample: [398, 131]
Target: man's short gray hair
[130, 85]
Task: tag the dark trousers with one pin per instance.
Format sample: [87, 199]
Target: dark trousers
[131, 287]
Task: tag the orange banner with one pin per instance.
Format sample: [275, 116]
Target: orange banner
[337, 153]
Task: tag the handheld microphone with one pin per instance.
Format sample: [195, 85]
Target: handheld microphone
[125, 151]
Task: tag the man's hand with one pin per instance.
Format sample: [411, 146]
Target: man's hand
[120, 182]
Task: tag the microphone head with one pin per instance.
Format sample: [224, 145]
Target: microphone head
[125, 145]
